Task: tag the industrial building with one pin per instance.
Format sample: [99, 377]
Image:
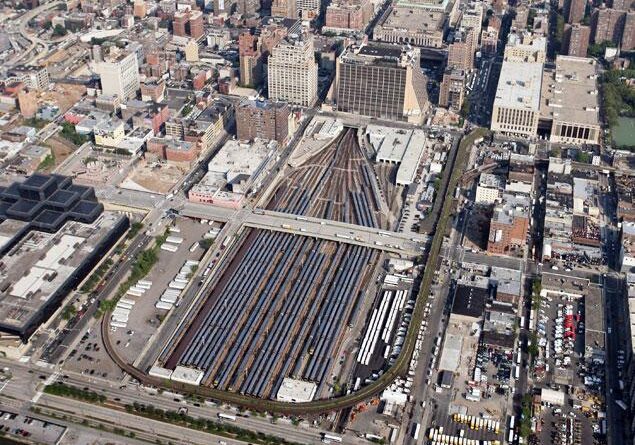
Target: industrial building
[233, 171]
[382, 81]
[52, 234]
[402, 147]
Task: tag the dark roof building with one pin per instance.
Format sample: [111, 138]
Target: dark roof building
[469, 301]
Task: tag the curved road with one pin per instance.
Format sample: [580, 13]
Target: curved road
[35, 41]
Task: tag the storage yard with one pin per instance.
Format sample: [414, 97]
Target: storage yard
[337, 184]
[280, 310]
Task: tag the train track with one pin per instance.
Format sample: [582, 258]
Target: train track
[337, 403]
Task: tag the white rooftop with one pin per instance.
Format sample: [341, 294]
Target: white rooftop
[297, 391]
[519, 85]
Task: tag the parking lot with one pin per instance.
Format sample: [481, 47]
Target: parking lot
[569, 359]
[144, 316]
[29, 429]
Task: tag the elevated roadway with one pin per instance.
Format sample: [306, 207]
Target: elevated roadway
[399, 243]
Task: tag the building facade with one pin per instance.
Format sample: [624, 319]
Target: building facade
[263, 120]
[119, 75]
[576, 40]
[382, 81]
[292, 71]
[452, 90]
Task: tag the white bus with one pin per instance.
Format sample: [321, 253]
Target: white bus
[328, 438]
[224, 416]
[415, 431]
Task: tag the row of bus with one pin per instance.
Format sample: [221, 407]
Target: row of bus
[436, 436]
[477, 423]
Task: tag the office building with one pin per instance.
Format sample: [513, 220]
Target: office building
[460, 56]
[607, 25]
[33, 77]
[576, 40]
[452, 90]
[574, 10]
[263, 120]
[307, 9]
[56, 232]
[140, 9]
[525, 47]
[119, 74]
[382, 81]
[283, 8]
[292, 70]
[191, 51]
[517, 102]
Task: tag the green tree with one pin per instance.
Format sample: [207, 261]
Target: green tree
[59, 31]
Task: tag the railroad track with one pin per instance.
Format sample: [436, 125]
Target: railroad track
[366, 392]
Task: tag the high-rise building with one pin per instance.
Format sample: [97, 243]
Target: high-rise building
[197, 28]
[247, 8]
[381, 80]
[292, 70]
[179, 23]
[140, 9]
[460, 55]
[451, 93]
[250, 59]
[576, 40]
[264, 120]
[119, 74]
[347, 15]
[283, 8]
[628, 37]
[307, 9]
[191, 51]
[574, 10]
[607, 25]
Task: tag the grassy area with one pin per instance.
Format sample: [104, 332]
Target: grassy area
[207, 425]
[135, 228]
[618, 101]
[70, 134]
[59, 389]
[96, 277]
[144, 261]
[35, 123]
[48, 163]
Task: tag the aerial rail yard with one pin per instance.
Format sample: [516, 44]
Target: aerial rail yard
[397, 369]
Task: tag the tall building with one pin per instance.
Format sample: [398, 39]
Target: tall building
[283, 8]
[292, 70]
[574, 10]
[576, 40]
[247, 8]
[517, 103]
[608, 25]
[250, 59]
[197, 28]
[382, 81]
[460, 56]
[307, 9]
[191, 51]
[179, 23]
[623, 5]
[452, 90]
[119, 74]
[347, 15]
[628, 37]
[140, 8]
[263, 120]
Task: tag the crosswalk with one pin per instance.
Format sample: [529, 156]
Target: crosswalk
[49, 381]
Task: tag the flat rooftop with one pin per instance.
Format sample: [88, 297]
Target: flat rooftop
[38, 269]
[519, 85]
[570, 92]
[415, 19]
